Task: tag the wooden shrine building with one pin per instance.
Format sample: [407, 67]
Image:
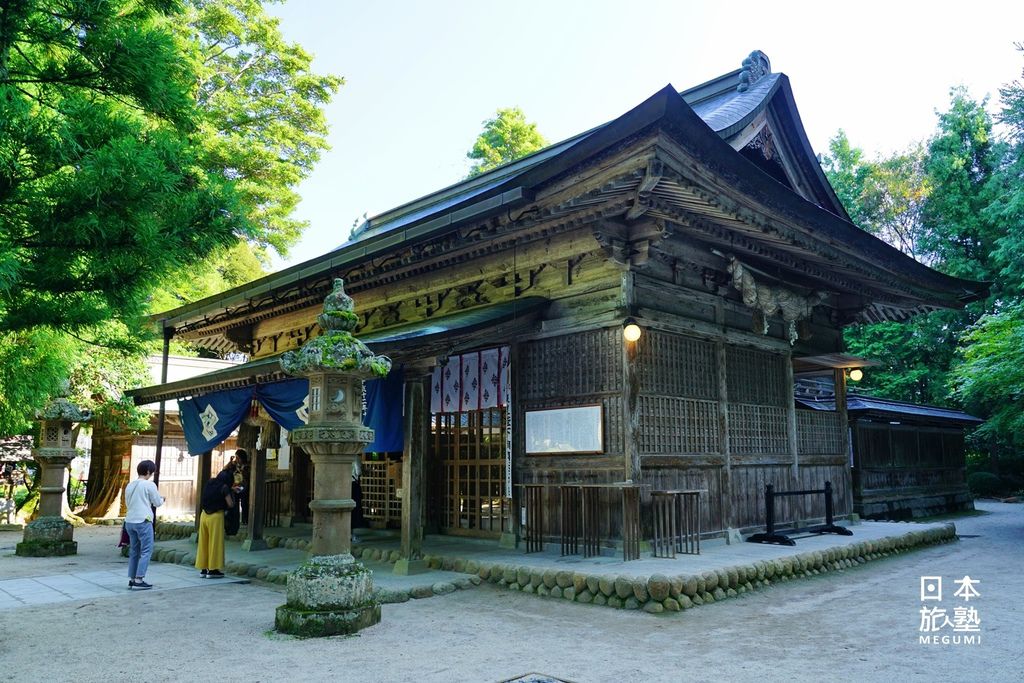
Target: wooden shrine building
[702, 216]
[907, 460]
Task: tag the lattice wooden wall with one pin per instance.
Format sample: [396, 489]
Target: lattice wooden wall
[678, 400]
[380, 500]
[674, 365]
[678, 426]
[758, 396]
[818, 433]
[582, 364]
[756, 377]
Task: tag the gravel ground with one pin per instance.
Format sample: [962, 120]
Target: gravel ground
[859, 625]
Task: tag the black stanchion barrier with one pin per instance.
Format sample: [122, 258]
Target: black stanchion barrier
[771, 536]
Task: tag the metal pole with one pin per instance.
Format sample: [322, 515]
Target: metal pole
[162, 415]
[828, 503]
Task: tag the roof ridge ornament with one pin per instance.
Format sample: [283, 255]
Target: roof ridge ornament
[755, 67]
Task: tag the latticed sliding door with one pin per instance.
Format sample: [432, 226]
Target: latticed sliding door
[471, 449]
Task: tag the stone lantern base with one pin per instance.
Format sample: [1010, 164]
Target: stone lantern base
[327, 596]
[47, 537]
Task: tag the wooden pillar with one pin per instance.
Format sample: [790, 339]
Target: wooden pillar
[844, 425]
[844, 431]
[794, 443]
[203, 475]
[631, 392]
[514, 443]
[728, 518]
[257, 502]
[630, 388]
[413, 458]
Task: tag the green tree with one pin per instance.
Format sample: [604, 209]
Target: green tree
[149, 153]
[33, 365]
[1006, 209]
[990, 380]
[226, 269]
[962, 158]
[262, 110]
[990, 377]
[927, 202]
[506, 137]
[103, 188]
[884, 197]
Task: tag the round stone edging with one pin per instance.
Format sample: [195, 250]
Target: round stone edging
[669, 594]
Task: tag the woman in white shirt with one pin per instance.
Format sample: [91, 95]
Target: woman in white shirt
[142, 496]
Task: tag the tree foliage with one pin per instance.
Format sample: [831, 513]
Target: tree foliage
[149, 154]
[262, 110]
[506, 137]
[990, 378]
[885, 196]
[927, 202]
[960, 164]
[103, 187]
[990, 381]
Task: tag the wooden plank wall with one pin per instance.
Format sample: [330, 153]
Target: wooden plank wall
[892, 461]
[750, 480]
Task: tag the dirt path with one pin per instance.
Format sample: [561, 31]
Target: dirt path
[860, 624]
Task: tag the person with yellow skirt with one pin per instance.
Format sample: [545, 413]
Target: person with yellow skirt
[216, 498]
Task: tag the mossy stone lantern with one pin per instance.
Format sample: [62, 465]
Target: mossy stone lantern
[332, 593]
[49, 534]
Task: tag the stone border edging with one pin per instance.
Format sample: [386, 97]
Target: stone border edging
[655, 594]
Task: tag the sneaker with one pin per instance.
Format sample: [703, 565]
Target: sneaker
[141, 585]
[215, 574]
[203, 574]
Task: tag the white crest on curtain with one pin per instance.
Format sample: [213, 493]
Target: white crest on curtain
[210, 418]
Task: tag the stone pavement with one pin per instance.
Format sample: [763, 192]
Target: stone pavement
[40, 590]
[273, 564]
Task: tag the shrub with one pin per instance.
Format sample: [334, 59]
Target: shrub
[983, 483]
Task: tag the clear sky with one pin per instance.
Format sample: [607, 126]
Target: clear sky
[421, 77]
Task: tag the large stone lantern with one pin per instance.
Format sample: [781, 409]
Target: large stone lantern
[332, 593]
[50, 534]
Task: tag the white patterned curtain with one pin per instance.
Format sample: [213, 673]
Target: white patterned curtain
[471, 381]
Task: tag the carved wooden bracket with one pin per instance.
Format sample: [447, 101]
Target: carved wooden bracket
[655, 170]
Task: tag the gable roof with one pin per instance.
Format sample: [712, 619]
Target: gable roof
[730, 103]
[729, 110]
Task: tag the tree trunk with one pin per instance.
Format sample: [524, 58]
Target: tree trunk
[108, 501]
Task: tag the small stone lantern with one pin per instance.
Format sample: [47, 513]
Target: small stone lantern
[49, 534]
[332, 593]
